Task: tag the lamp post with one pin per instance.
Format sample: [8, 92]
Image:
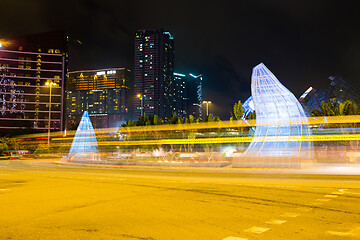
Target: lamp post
[207, 107]
[142, 103]
[49, 84]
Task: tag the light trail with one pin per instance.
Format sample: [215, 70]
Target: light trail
[312, 121]
[316, 138]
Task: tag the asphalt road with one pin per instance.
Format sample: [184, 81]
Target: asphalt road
[44, 200]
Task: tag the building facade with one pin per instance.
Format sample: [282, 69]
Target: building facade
[32, 79]
[104, 93]
[153, 73]
[188, 94]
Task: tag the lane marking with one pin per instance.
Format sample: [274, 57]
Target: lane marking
[257, 230]
[340, 233]
[338, 193]
[235, 238]
[345, 191]
[276, 221]
[304, 209]
[290, 215]
[331, 196]
[315, 203]
[352, 232]
[322, 200]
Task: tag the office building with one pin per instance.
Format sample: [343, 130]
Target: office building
[153, 73]
[104, 93]
[32, 78]
[187, 94]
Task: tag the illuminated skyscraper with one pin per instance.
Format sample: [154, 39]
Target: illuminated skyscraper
[153, 73]
[188, 94]
[104, 93]
[27, 63]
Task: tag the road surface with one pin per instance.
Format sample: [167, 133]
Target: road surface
[44, 200]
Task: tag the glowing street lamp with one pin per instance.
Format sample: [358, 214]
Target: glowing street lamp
[141, 97]
[207, 106]
[49, 84]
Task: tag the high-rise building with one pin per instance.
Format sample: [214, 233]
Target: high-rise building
[188, 94]
[32, 78]
[153, 73]
[104, 93]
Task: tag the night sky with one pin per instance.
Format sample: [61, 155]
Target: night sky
[301, 42]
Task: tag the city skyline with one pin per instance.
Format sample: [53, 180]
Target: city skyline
[303, 43]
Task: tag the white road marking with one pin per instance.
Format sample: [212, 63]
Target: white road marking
[345, 191]
[257, 230]
[315, 203]
[355, 232]
[290, 215]
[339, 233]
[338, 193]
[331, 196]
[323, 200]
[234, 238]
[276, 221]
[304, 209]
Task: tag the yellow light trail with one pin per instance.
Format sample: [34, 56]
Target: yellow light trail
[315, 138]
[312, 121]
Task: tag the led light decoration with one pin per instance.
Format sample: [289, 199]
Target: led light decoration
[11, 98]
[84, 146]
[280, 119]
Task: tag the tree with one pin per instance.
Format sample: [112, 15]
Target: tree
[190, 119]
[348, 108]
[330, 109]
[128, 123]
[316, 113]
[252, 115]
[3, 147]
[212, 118]
[238, 111]
[174, 119]
[144, 120]
[155, 120]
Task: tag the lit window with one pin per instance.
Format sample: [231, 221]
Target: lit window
[51, 51]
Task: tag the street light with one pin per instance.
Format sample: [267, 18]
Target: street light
[142, 103]
[207, 107]
[49, 84]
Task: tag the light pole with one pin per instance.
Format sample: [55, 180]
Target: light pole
[142, 103]
[49, 84]
[207, 107]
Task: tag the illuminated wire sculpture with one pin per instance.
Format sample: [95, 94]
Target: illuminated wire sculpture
[84, 146]
[279, 118]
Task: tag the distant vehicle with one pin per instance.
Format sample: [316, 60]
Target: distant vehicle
[15, 154]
